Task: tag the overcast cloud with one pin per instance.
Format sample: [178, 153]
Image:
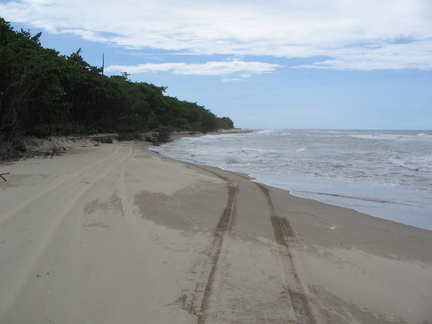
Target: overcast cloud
[339, 34]
[239, 68]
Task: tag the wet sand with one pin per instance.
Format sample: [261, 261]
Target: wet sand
[117, 234]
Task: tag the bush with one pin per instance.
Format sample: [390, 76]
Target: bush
[129, 137]
[40, 131]
[164, 133]
[11, 150]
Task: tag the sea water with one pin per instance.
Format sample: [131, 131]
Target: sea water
[387, 174]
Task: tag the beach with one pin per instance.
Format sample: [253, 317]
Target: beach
[117, 234]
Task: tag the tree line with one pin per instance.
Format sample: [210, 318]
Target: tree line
[43, 93]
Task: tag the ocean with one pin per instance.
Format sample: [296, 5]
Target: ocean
[386, 174]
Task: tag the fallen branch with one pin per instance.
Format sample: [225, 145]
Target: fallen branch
[2, 174]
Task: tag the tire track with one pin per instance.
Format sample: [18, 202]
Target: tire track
[54, 220]
[58, 182]
[225, 224]
[284, 235]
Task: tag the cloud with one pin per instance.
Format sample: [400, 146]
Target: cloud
[416, 55]
[240, 69]
[87, 35]
[355, 34]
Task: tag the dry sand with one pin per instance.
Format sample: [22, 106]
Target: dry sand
[117, 234]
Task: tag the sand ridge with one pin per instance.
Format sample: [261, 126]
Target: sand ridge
[117, 234]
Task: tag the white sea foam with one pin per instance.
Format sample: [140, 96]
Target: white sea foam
[387, 174]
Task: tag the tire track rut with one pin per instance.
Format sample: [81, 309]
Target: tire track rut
[70, 179]
[69, 186]
[284, 235]
[225, 224]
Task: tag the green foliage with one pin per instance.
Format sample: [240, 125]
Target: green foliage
[164, 133]
[225, 123]
[43, 93]
[30, 90]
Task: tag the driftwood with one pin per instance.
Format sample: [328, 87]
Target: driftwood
[2, 174]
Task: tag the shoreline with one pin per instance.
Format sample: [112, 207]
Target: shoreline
[177, 135]
[117, 233]
[396, 208]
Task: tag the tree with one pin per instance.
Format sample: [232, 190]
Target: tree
[43, 93]
[30, 89]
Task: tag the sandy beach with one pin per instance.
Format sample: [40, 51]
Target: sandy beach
[117, 234]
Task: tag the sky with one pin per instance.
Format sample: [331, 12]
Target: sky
[297, 64]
